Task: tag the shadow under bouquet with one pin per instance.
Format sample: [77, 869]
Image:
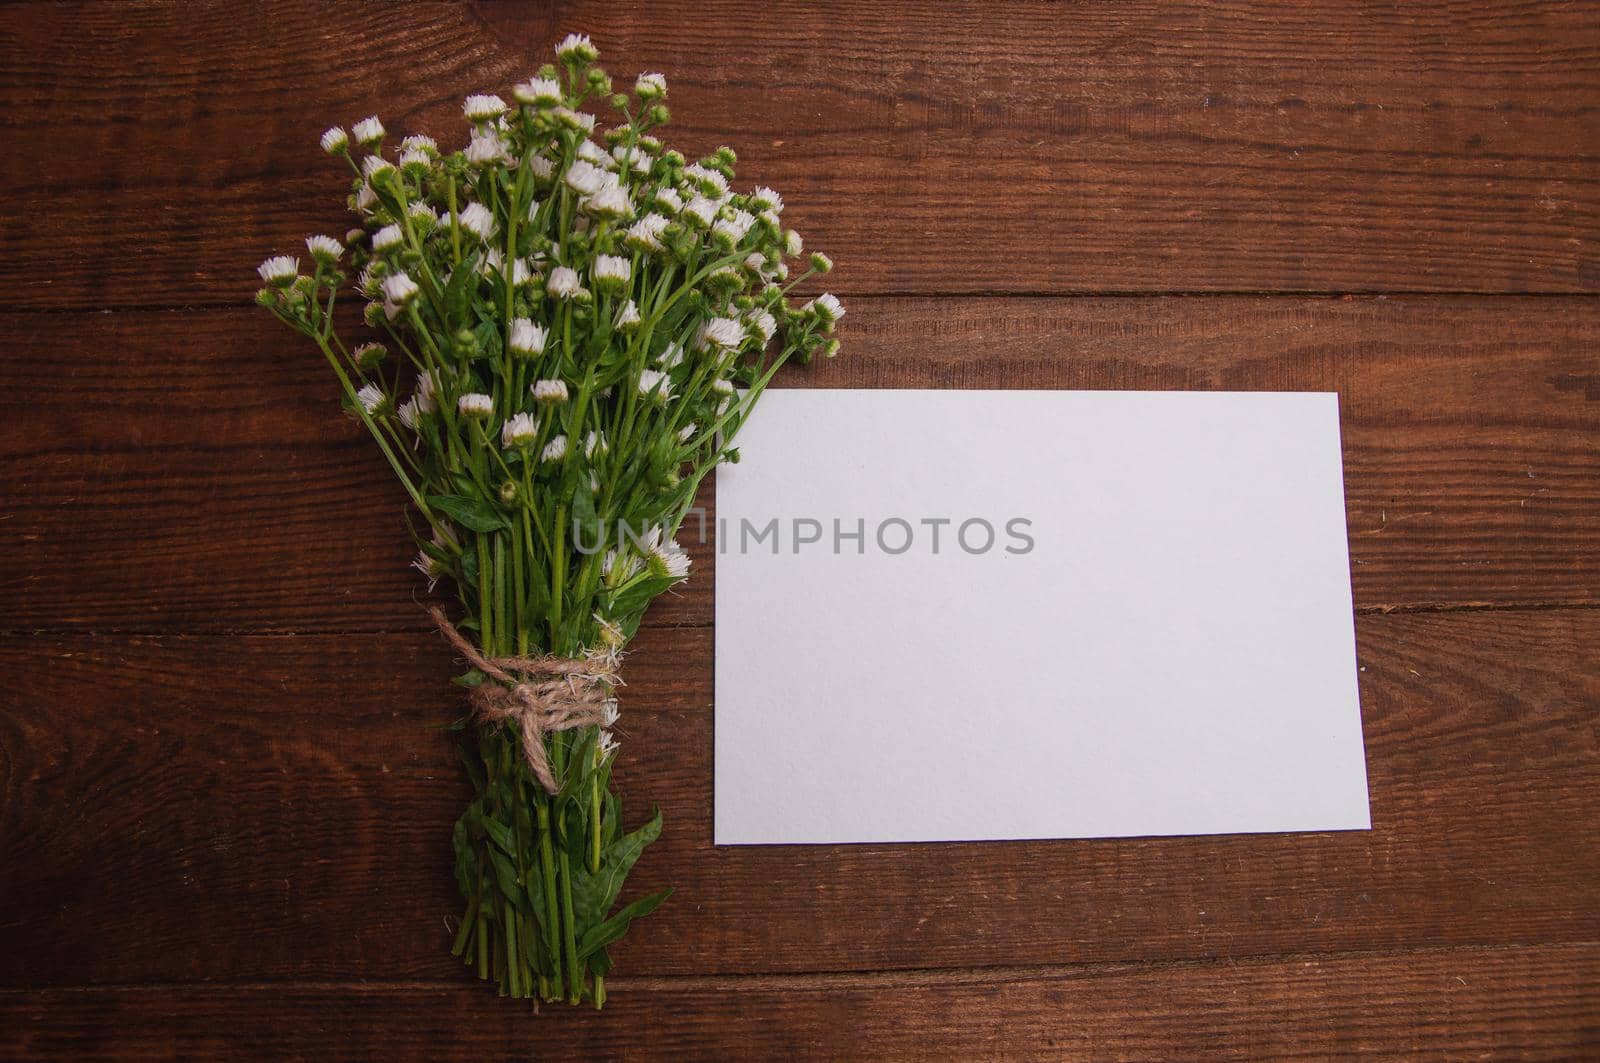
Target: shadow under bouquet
[580, 322]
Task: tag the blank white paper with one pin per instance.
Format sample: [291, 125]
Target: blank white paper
[1174, 654]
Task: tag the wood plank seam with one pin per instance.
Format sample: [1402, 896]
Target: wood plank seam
[910, 977]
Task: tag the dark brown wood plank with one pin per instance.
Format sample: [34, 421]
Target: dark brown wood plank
[278, 808]
[160, 151]
[190, 471]
[1524, 1003]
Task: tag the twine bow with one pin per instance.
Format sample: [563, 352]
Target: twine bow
[540, 693]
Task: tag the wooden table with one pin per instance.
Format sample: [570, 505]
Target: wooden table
[225, 810]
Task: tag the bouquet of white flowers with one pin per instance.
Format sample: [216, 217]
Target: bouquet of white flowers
[584, 320]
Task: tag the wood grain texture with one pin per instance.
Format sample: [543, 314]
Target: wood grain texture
[243, 500]
[279, 808]
[158, 152]
[224, 800]
[1523, 1003]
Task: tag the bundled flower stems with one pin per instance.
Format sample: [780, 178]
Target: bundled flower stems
[567, 330]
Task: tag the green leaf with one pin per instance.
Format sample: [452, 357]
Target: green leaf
[472, 677]
[455, 294]
[505, 877]
[474, 765]
[474, 513]
[613, 929]
[617, 859]
[585, 522]
[501, 835]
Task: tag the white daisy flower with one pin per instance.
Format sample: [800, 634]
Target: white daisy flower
[554, 450]
[426, 403]
[628, 317]
[701, 210]
[821, 262]
[576, 119]
[526, 337]
[606, 746]
[415, 161]
[611, 268]
[589, 151]
[724, 332]
[686, 433]
[335, 141]
[710, 182]
[475, 404]
[387, 237]
[652, 382]
[792, 244]
[577, 47]
[486, 149]
[646, 232]
[731, 276]
[518, 431]
[478, 220]
[624, 566]
[420, 142]
[827, 307]
[767, 199]
[634, 158]
[369, 355]
[279, 270]
[539, 92]
[610, 712]
[611, 201]
[650, 86]
[549, 392]
[541, 168]
[366, 198]
[399, 289]
[733, 229]
[371, 398]
[672, 355]
[594, 441]
[410, 415]
[373, 165]
[368, 131]
[669, 200]
[668, 558]
[564, 283]
[429, 567]
[765, 324]
[586, 178]
[420, 211]
[724, 388]
[483, 108]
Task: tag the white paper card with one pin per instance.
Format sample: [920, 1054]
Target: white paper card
[1166, 645]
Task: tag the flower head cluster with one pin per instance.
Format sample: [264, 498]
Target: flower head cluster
[581, 319]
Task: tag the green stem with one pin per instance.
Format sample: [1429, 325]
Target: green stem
[569, 929]
[547, 867]
[513, 957]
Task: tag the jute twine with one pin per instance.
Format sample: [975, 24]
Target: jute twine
[539, 693]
